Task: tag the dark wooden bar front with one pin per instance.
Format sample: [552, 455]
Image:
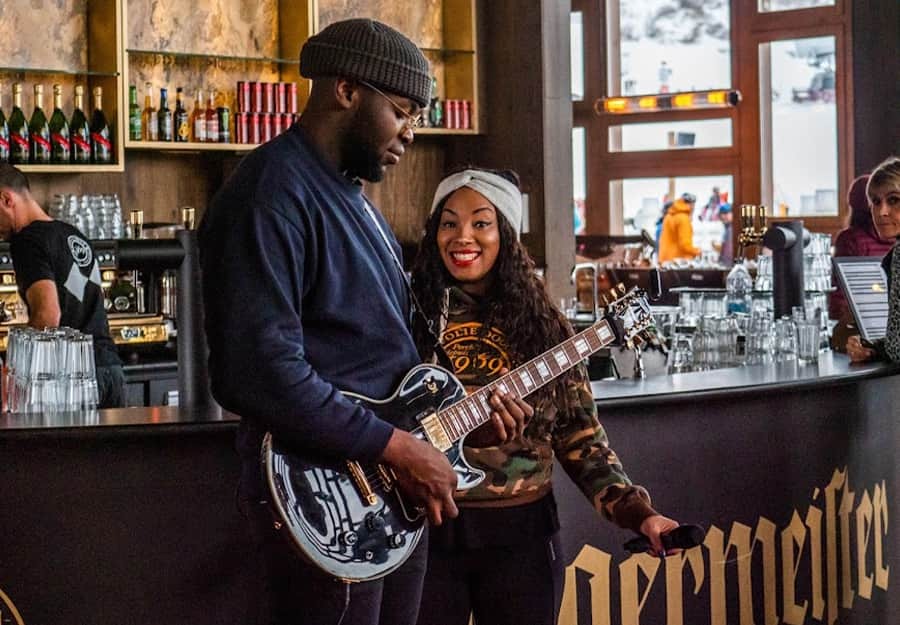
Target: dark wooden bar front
[129, 516]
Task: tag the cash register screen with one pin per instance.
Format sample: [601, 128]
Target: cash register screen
[863, 282]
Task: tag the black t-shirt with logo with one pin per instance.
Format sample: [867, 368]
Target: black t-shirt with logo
[54, 250]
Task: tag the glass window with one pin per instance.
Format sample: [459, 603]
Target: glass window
[579, 177]
[640, 202]
[577, 54]
[707, 133]
[672, 46]
[766, 6]
[800, 143]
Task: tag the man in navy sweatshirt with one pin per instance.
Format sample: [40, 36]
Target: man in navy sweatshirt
[304, 298]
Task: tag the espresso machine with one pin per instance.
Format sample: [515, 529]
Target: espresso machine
[132, 326]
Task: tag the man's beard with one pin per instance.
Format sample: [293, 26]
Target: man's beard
[359, 157]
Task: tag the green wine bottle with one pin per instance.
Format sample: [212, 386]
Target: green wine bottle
[101, 140]
[79, 131]
[39, 130]
[4, 132]
[135, 128]
[19, 145]
[61, 146]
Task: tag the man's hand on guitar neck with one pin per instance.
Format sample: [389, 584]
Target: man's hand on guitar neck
[424, 474]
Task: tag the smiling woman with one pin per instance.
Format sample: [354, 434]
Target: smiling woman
[478, 289]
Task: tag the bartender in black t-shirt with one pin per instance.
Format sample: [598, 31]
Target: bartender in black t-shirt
[58, 277]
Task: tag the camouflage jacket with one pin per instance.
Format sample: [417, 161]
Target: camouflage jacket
[564, 425]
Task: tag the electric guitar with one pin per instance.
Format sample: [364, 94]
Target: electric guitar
[350, 519]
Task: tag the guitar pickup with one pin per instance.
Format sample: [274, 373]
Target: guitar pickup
[436, 433]
[362, 484]
[387, 477]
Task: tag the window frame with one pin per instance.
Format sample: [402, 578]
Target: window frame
[743, 160]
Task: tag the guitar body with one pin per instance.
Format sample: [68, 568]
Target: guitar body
[350, 519]
[361, 529]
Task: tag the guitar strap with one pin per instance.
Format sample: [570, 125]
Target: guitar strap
[443, 358]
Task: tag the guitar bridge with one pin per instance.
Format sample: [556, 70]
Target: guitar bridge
[435, 432]
[362, 484]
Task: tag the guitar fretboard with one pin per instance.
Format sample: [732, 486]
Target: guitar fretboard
[471, 412]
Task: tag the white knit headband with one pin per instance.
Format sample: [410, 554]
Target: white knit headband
[499, 191]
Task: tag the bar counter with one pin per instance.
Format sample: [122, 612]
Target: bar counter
[129, 515]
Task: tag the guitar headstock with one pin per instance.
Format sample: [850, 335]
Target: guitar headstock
[631, 315]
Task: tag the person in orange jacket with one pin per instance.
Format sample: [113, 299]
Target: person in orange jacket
[677, 238]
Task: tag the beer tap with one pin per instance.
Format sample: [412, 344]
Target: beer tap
[753, 226]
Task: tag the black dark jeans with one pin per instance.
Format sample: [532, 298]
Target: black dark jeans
[298, 593]
[111, 386]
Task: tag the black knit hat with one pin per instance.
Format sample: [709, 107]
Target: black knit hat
[368, 50]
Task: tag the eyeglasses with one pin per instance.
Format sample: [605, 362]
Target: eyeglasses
[412, 122]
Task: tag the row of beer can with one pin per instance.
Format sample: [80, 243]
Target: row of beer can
[266, 97]
[260, 127]
[457, 114]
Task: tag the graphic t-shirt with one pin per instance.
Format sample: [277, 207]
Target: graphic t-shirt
[54, 250]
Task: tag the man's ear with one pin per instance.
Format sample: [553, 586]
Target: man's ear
[6, 197]
[346, 93]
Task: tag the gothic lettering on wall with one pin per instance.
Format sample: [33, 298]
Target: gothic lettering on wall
[817, 564]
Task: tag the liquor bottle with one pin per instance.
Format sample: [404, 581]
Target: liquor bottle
[19, 144]
[182, 121]
[198, 119]
[39, 130]
[212, 118]
[135, 123]
[149, 126]
[164, 116]
[435, 107]
[79, 131]
[4, 132]
[101, 140]
[60, 144]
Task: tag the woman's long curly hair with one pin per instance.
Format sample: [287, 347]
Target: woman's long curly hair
[516, 303]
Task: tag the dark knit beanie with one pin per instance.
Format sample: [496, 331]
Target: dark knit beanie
[364, 49]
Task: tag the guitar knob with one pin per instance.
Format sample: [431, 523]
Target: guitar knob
[396, 540]
[374, 522]
[348, 538]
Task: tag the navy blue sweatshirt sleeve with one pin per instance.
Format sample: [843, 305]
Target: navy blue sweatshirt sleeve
[254, 263]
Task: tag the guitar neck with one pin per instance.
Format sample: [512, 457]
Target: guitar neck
[475, 410]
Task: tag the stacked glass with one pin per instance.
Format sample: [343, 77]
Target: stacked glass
[50, 371]
[97, 216]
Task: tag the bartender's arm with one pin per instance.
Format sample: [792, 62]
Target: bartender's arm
[43, 305]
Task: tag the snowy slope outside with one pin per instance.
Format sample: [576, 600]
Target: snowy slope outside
[692, 38]
[804, 134]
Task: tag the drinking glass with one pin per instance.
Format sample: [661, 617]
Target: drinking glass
[808, 341]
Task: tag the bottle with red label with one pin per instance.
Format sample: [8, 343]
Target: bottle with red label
[4, 132]
[60, 145]
[39, 130]
[79, 132]
[19, 143]
[101, 140]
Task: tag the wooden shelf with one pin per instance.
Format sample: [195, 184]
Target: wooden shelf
[72, 169]
[446, 131]
[214, 57]
[190, 146]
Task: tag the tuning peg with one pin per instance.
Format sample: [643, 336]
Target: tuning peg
[621, 288]
[613, 294]
[604, 300]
